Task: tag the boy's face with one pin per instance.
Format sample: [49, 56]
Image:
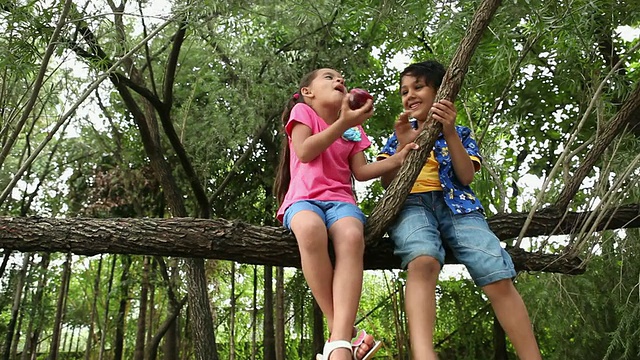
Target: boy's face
[417, 96]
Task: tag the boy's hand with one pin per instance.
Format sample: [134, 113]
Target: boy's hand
[445, 113]
[404, 131]
[355, 117]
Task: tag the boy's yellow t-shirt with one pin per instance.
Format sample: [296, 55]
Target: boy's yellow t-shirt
[428, 179]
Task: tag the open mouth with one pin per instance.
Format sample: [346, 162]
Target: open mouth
[341, 88]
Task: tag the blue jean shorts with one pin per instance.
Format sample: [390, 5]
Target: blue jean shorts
[329, 211]
[426, 225]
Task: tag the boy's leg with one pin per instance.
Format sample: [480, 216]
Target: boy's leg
[512, 315]
[417, 242]
[420, 304]
[476, 246]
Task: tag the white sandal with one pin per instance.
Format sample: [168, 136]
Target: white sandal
[359, 340]
[330, 346]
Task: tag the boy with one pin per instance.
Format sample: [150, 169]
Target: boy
[442, 208]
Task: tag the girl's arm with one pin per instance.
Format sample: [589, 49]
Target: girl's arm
[363, 170]
[308, 146]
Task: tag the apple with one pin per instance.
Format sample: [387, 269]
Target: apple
[358, 97]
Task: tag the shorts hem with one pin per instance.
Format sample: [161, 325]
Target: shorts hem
[412, 256]
[495, 277]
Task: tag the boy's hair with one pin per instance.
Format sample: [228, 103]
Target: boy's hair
[431, 71]
[283, 176]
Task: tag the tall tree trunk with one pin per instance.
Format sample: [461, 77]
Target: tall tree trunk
[37, 311]
[232, 314]
[118, 350]
[152, 302]
[318, 329]
[170, 345]
[105, 324]
[142, 315]
[269, 336]
[5, 261]
[60, 308]
[94, 310]
[302, 322]
[254, 315]
[499, 341]
[17, 298]
[280, 335]
[18, 330]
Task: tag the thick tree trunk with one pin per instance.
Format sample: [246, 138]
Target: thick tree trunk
[245, 243]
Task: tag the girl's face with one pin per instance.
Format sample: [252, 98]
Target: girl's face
[326, 88]
[417, 96]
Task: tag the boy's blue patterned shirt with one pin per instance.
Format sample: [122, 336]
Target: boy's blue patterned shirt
[460, 198]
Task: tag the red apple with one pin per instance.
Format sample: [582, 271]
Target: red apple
[358, 97]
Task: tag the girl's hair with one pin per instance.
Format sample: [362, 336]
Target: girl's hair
[283, 176]
[431, 71]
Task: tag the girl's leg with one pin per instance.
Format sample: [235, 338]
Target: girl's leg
[311, 235]
[347, 235]
[420, 304]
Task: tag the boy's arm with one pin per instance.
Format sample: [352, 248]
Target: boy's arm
[445, 112]
[405, 134]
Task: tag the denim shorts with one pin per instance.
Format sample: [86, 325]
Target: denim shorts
[426, 225]
[329, 211]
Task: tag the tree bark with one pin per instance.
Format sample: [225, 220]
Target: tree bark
[267, 245]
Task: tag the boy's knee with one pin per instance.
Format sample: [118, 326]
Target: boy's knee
[500, 289]
[424, 266]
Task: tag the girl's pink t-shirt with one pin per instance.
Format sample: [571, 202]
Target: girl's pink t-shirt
[328, 176]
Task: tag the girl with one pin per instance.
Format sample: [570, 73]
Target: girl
[324, 147]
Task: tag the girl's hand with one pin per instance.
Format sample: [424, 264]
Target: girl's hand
[401, 155]
[355, 117]
[445, 113]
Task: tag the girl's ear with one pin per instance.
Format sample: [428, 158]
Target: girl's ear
[306, 92]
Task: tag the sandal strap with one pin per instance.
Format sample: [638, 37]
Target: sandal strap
[330, 346]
